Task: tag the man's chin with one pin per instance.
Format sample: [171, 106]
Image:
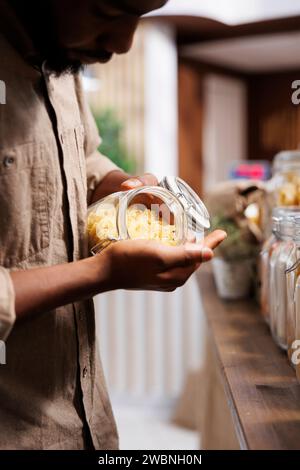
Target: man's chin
[89, 58]
[94, 60]
[65, 62]
[57, 68]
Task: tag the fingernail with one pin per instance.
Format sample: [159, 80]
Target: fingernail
[133, 183]
[207, 254]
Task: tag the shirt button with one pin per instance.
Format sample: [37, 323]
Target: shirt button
[8, 161]
[84, 372]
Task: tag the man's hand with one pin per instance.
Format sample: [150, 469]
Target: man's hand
[148, 265]
[132, 264]
[137, 181]
[117, 180]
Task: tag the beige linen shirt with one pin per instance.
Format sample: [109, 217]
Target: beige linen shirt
[52, 389]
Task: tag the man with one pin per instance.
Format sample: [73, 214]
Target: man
[52, 390]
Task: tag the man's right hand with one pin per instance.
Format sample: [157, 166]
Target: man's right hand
[149, 265]
[132, 264]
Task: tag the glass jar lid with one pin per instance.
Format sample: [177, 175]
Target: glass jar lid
[286, 221]
[195, 209]
[287, 161]
[283, 212]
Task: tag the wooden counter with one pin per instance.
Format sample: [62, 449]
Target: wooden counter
[260, 386]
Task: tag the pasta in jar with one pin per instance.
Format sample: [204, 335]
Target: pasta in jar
[170, 213]
[141, 224]
[285, 184]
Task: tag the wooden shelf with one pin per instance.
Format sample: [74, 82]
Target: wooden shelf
[261, 388]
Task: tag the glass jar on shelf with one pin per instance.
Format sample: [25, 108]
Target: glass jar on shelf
[264, 265]
[278, 267]
[296, 348]
[285, 183]
[170, 213]
[283, 189]
[292, 274]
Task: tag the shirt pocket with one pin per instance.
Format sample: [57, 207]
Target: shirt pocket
[24, 203]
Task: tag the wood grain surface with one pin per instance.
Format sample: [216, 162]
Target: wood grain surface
[261, 388]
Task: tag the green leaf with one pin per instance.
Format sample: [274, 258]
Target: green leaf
[234, 247]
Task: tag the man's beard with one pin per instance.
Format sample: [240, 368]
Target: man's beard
[60, 60]
[57, 60]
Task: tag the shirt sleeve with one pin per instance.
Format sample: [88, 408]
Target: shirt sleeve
[97, 165]
[7, 304]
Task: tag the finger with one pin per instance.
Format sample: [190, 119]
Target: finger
[131, 183]
[184, 256]
[148, 179]
[137, 181]
[214, 239]
[206, 252]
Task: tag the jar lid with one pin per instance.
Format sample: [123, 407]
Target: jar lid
[287, 227]
[288, 160]
[195, 209]
[284, 212]
[286, 221]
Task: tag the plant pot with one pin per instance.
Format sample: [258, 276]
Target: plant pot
[234, 279]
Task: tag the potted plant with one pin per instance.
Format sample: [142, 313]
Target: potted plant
[236, 207]
[235, 259]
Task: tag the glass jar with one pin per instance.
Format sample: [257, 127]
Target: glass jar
[285, 183]
[170, 213]
[292, 274]
[278, 267]
[264, 266]
[296, 348]
[283, 189]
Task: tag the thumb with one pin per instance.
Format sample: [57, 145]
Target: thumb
[185, 255]
[194, 250]
[132, 183]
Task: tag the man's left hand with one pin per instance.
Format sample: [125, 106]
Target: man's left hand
[118, 180]
[136, 181]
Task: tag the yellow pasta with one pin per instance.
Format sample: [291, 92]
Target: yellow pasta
[288, 195]
[141, 224]
[289, 192]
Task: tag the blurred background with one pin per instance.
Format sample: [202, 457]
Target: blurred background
[207, 84]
